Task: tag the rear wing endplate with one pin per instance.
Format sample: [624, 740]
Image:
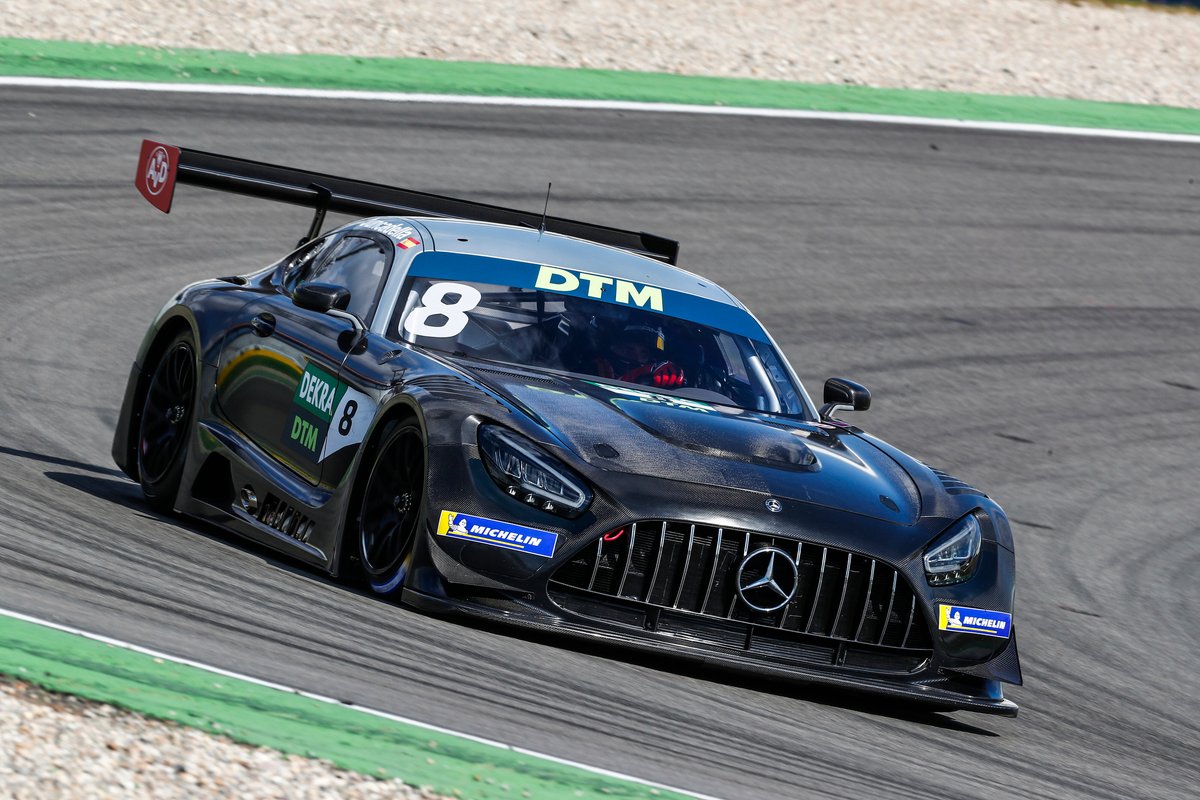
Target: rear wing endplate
[162, 166]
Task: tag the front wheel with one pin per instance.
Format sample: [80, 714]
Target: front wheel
[391, 507]
[167, 422]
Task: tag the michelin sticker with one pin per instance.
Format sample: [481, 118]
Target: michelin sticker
[328, 415]
[958, 619]
[507, 535]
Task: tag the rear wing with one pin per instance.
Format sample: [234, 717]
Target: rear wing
[162, 166]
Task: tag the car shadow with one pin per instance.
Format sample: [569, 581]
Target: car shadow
[123, 492]
[58, 461]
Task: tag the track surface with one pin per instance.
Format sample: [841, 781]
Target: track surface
[1024, 307]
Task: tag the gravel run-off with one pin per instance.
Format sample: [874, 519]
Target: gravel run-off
[1050, 48]
[57, 746]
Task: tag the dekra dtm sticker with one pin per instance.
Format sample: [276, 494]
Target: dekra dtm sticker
[327, 415]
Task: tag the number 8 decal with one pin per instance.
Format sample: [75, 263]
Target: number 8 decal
[433, 305]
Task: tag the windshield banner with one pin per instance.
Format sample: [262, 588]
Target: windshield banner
[566, 281]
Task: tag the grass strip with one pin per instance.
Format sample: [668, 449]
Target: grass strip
[30, 57]
[292, 723]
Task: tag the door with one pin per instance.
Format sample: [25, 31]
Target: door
[278, 376]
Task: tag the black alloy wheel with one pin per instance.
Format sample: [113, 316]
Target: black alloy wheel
[391, 507]
[167, 422]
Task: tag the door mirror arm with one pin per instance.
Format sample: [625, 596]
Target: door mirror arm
[351, 341]
[360, 327]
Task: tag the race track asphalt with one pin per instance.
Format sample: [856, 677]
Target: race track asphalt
[1025, 308]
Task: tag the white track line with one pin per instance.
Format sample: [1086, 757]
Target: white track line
[603, 105]
[341, 704]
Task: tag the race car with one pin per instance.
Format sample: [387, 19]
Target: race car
[483, 411]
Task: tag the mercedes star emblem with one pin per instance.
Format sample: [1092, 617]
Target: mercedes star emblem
[773, 505]
[767, 579]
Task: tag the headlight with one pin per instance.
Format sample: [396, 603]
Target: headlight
[526, 473]
[954, 556]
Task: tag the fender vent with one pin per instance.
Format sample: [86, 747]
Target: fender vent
[449, 387]
[285, 519]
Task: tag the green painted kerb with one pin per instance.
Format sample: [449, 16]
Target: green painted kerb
[80, 60]
[254, 714]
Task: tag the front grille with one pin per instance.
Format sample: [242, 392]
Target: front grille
[678, 578]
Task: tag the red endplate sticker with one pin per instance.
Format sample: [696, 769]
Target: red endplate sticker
[155, 177]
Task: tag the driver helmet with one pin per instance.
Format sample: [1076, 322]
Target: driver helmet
[638, 344]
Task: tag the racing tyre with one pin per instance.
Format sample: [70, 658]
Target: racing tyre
[391, 507]
[167, 423]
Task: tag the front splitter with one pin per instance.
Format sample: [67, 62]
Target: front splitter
[932, 697]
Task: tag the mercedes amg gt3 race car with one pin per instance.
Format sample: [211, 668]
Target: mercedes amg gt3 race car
[546, 422]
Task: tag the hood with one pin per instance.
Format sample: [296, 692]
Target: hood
[641, 432]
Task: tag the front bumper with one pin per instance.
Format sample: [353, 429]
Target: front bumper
[932, 692]
[906, 659]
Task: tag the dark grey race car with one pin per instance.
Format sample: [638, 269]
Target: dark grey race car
[546, 422]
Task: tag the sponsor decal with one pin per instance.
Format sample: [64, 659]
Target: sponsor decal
[328, 415]
[305, 434]
[158, 166]
[407, 242]
[959, 619]
[317, 392]
[391, 229]
[155, 177]
[507, 535]
[656, 399]
[600, 287]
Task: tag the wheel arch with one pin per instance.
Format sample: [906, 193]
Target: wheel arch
[402, 408]
[151, 352]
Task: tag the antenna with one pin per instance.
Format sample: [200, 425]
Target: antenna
[545, 208]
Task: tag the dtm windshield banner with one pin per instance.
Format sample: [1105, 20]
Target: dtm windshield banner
[595, 286]
[507, 535]
[959, 619]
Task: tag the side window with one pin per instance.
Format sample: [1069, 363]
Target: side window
[360, 264]
[300, 263]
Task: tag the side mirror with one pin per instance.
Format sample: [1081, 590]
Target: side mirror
[322, 297]
[841, 393]
[325, 298]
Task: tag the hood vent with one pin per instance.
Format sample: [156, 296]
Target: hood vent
[522, 377]
[954, 485]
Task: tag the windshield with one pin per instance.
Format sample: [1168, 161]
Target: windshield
[619, 343]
